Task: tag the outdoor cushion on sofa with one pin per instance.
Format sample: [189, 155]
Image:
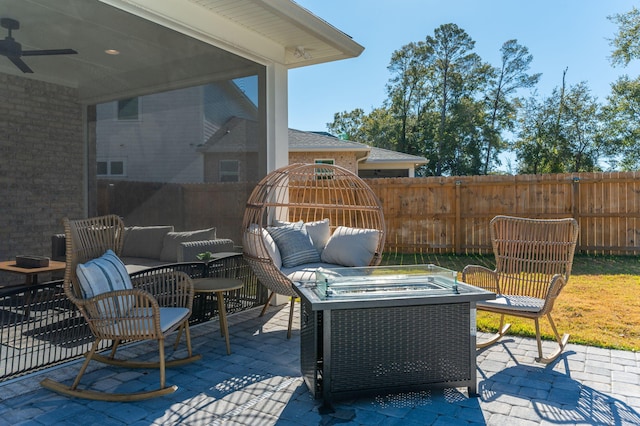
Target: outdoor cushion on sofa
[306, 272]
[172, 240]
[144, 241]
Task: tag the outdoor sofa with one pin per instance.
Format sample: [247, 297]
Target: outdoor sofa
[149, 246]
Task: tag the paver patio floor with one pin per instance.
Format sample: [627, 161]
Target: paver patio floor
[260, 384]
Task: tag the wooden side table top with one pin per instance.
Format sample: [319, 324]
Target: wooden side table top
[214, 285]
[10, 265]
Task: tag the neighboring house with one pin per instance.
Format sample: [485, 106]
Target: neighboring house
[232, 154]
[155, 138]
[228, 148]
[386, 163]
[311, 147]
[365, 160]
[203, 144]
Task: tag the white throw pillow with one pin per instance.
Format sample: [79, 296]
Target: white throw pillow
[295, 245]
[319, 232]
[104, 274]
[351, 246]
[254, 247]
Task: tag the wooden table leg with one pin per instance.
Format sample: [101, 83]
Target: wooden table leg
[222, 313]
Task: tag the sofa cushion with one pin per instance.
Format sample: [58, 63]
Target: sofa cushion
[515, 303]
[351, 246]
[306, 272]
[172, 240]
[294, 243]
[259, 243]
[137, 264]
[144, 241]
[104, 274]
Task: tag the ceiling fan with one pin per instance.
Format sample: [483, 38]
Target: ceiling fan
[13, 50]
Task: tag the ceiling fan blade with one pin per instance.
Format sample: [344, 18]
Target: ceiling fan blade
[48, 52]
[20, 64]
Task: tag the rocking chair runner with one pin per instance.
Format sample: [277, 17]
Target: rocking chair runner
[147, 308]
[534, 258]
[305, 192]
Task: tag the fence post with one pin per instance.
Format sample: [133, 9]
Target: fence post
[457, 244]
[575, 203]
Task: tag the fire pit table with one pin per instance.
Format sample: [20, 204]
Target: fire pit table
[391, 329]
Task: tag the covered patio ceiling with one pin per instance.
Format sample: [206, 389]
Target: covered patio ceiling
[164, 44]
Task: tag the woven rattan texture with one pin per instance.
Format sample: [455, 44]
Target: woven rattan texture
[398, 347]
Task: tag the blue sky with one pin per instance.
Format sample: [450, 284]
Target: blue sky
[558, 33]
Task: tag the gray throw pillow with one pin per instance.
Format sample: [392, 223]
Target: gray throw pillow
[319, 231]
[294, 244]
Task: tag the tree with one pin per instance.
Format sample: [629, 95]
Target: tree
[561, 133]
[509, 77]
[626, 43]
[407, 97]
[444, 103]
[348, 125]
[622, 113]
[455, 76]
[621, 116]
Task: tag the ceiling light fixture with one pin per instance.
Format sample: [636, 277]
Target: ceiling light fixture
[112, 52]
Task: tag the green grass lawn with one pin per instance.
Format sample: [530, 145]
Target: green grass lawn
[600, 305]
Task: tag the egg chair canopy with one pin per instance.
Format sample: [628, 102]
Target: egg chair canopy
[312, 192]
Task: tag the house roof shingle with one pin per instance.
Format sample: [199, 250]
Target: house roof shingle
[312, 141]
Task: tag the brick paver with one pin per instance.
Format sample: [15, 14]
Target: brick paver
[260, 383]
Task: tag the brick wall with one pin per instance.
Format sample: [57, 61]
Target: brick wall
[342, 159]
[41, 165]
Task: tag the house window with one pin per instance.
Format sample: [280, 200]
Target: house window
[323, 173]
[229, 170]
[111, 167]
[129, 109]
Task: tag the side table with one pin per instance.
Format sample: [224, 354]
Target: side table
[31, 276]
[219, 286]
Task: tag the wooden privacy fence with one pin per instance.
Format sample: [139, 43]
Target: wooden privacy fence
[452, 214]
[433, 214]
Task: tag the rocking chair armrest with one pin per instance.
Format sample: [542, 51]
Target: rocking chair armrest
[480, 276]
[114, 305]
[555, 287]
[169, 288]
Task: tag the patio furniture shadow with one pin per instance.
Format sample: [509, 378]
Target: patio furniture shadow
[445, 406]
[66, 333]
[556, 397]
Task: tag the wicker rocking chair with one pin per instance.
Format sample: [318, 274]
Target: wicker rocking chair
[533, 264]
[147, 308]
[308, 193]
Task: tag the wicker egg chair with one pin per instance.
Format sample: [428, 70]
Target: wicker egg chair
[307, 192]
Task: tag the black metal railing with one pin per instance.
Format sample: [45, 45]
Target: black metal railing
[41, 327]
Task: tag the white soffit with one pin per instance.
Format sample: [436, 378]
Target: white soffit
[264, 31]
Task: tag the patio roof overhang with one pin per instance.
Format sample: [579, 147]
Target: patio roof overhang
[166, 44]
